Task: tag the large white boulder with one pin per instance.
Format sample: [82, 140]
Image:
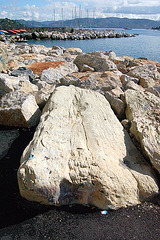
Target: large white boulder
[80, 153]
[143, 110]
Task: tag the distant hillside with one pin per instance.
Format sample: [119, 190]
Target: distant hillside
[7, 24]
[111, 22]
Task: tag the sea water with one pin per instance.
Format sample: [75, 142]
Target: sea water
[145, 44]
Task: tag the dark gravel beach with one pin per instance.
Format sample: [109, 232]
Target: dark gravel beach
[20, 219]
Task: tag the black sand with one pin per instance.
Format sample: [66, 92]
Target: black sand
[20, 219]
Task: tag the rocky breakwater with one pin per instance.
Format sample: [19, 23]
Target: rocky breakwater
[97, 125]
[75, 35]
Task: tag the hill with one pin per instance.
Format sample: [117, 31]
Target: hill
[7, 24]
[111, 22]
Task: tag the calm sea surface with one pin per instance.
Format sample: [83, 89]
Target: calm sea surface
[146, 44]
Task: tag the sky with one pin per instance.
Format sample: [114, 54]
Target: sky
[48, 10]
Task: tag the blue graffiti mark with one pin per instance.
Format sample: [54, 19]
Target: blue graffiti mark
[2, 60]
[31, 156]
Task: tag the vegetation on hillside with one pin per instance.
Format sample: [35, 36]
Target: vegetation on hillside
[110, 22]
[7, 24]
[67, 25]
[156, 28]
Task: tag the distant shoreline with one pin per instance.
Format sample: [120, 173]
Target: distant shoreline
[74, 34]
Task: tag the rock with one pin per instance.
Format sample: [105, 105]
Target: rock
[53, 75]
[117, 92]
[86, 68]
[81, 154]
[38, 67]
[126, 124]
[117, 105]
[155, 90]
[43, 95]
[2, 37]
[105, 81]
[147, 74]
[56, 47]
[36, 49]
[74, 51]
[29, 56]
[134, 86]
[23, 71]
[98, 61]
[35, 35]
[12, 64]
[125, 79]
[3, 59]
[10, 83]
[19, 109]
[7, 138]
[2, 93]
[143, 110]
[54, 52]
[143, 61]
[70, 79]
[115, 59]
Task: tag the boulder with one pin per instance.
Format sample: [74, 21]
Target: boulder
[10, 83]
[117, 105]
[70, 79]
[54, 52]
[43, 95]
[125, 79]
[7, 138]
[35, 35]
[105, 81]
[117, 92]
[81, 154]
[53, 75]
[3, 59]
[19, 109]
[98, 61]
[57, 66]
[23, 71]
[134, 86]
[115, 59]
[143, 110]
[147, 74]
[86, 68]
[13, 64]
[36, 49]
[29, 56]
[155, 90]
[74, 51]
